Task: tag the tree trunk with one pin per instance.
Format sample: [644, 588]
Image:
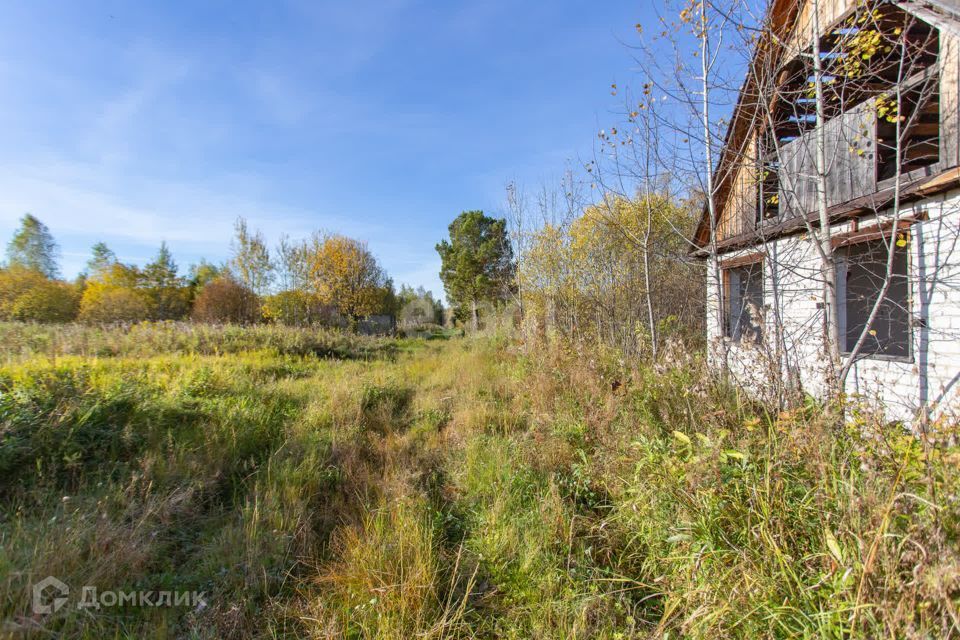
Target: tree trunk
[648, 293]
[713, 256]
[831, 309]
[473, 315]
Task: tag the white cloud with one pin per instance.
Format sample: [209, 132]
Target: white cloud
[122, 117]
[73, 201]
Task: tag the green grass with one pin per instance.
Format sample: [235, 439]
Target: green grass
[314, 484]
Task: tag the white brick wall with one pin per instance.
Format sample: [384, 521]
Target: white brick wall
[930, 378]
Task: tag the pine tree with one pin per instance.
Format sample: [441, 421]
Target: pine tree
[101, 259]
[162, 272]
[477, 261]
[163, 287]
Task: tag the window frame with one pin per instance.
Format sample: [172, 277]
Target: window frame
[735, 264]
[880, 234]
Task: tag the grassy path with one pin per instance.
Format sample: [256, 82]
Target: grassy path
[452, 489]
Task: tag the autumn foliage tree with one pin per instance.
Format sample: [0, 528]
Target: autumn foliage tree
[616, 272]
[323, 280]
[50, 301]
[29, 288]
[112, 294]
[117, 292]
[296, 307]
[346, 275]
[27, 295]
[224, 300]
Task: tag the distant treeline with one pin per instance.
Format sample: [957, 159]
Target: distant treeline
[327, 279]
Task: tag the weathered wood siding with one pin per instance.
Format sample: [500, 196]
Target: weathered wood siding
[949, 67]
[829, 12]
[740, 210]
[850, 153]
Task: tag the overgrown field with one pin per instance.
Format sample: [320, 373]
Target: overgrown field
[451, 489]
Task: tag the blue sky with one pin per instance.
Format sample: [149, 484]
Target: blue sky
[134, 122]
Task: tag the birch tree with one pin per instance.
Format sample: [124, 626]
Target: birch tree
[250, 261]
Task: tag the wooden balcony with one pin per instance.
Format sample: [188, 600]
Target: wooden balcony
[851, 151]
[860, 153]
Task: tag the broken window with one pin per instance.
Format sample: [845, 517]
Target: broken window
[744, 302]
[861, 273]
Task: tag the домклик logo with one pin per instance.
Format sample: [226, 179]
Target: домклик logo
[49, 595]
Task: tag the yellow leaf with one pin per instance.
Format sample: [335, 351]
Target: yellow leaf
[833, 546]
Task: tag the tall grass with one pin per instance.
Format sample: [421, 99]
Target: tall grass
[144, 339]
[457, 489]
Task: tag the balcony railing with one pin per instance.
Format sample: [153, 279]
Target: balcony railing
[850, 146]
[860, 150]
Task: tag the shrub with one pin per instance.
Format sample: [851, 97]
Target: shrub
[297, 308]
[14, 282]
[29, 295]
[106, 303]
[50, 301]
[226, 300]
[168, 303]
